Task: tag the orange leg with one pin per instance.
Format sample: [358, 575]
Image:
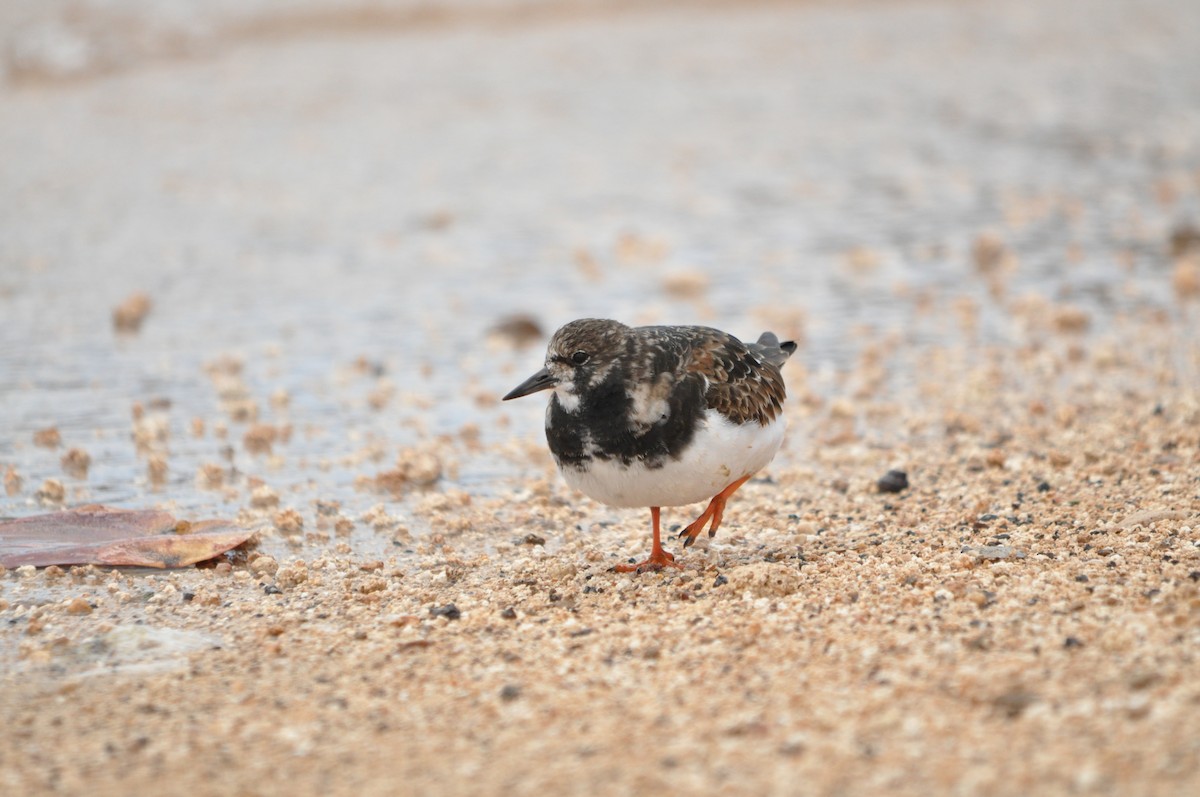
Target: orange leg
[658, 558]
[714, 512]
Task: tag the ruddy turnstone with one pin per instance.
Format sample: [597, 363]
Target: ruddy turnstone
[660, 416]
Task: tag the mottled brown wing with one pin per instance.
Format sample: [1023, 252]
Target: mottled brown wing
[744, 382]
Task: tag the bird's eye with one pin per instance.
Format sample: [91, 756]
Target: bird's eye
[580, 357]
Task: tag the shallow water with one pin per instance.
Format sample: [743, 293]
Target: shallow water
[305, 202]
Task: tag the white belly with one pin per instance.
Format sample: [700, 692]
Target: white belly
[720, 453]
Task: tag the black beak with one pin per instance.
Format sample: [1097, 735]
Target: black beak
[542, 380]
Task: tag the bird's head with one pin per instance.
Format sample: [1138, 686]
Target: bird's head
[580, 354]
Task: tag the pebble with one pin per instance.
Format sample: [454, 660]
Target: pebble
[76, 463]
[129, 314]
[51, 492]
[993, 552]
[517, 331]
[893, 481]
[47, 438]
[263, 497]
[449, 611]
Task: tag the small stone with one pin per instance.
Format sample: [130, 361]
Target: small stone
[1015, 701]
[1043, 487]
[12, 481]
[449, 611]
[129, 314]
[686, 284]
[47, 438]
[271, 589]
[259, 438]
[510, 692]
[509, 613]
[51, 492]
[291, 575]
[893, 481]
[211, 476]
[156, 470]
[517, 331]
[328, 508]
[720, 579]
[993, 552]
[289, 522]
[1184, 239]
[264, 565]
[990, 253]
[533, 539]
[1072, 642]
[1186, 277]
[764, 579]
[379, 584]
[263, 497]
[76, 463]
[79, 606]
[1059, 459]
[1069, 318]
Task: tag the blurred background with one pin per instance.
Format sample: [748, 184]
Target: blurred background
[277, 245]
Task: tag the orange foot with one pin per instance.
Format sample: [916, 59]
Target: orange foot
[713, 512]
[658, 558]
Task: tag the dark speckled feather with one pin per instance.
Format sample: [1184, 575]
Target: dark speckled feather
[744, 382]
[643, 391]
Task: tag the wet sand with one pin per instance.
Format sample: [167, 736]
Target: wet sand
[1001, 303]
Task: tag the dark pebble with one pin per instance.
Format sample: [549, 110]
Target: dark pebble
[1043, 487]
[519, 330]
[1194, 575]
[1184, 238]
[188, 596]
[533, 539]
[719, 580]
[449, 611]
[1072, 642]
[271, 589]
[510, 692]
[892, 482]
[988, 517]
[509, 613]
[1081, 579]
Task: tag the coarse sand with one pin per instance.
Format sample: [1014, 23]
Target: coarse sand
[283, 275]
[1024, 618]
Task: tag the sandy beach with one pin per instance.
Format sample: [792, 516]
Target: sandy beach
[280, 266]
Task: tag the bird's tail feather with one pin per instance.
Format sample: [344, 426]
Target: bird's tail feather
[769, 347]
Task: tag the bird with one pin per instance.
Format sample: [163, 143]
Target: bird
[656, 416]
